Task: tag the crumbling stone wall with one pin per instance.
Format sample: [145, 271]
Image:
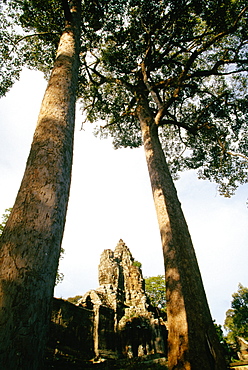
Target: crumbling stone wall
[71, 330]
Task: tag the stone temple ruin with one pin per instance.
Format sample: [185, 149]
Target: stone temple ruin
[113, 321]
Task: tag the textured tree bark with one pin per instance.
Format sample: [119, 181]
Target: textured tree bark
[192, 340]
[31, 241]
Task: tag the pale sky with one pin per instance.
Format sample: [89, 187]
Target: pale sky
[111, 199]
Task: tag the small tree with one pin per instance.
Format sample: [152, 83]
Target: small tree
[236, 322]
[155, 289]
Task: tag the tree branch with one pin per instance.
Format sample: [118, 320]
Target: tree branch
[33, 35]
[174, 122]
[214, 70]
[155, 95]
[203, 48]
[238, 155]
[222, 145]
[104, 79]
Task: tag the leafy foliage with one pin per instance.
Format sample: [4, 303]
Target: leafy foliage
[10, 65]
[189, 63]
[5, 217]
[30, 32]
[137, 263]
[29, 36]
[155, 289]
[74, 299]
[228, 350]
[236, 321]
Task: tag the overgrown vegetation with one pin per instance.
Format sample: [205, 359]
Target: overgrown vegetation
[137, 263]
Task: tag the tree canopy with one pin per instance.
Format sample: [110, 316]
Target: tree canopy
[188, 59]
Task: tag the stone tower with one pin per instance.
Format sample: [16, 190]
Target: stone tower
[125, 323]
[119, 273]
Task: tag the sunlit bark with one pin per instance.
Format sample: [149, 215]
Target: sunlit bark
[31, 241]
[192, 341]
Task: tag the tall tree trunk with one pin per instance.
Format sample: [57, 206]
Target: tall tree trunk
[192, 340]
[31, 241]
